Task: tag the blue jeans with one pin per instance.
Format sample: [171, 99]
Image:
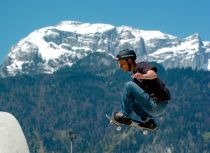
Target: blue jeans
[136, 99]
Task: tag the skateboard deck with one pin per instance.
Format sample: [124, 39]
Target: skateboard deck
[135, 124]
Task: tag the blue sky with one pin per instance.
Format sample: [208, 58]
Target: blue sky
[182, 18]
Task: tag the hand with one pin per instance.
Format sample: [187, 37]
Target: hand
[137, 76]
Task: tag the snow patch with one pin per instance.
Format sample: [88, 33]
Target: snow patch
[83, 28]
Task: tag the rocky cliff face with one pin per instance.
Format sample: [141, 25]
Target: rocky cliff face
[47, 50]
[188, 52]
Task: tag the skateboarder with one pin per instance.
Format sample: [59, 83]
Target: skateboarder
[146, 95]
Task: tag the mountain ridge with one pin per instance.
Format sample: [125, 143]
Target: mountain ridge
[48, 49]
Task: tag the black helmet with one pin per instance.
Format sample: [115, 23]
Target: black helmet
[125, 54]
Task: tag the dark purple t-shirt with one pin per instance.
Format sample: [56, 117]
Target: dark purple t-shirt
[155, 87]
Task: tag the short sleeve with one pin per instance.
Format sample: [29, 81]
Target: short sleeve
[143, 67]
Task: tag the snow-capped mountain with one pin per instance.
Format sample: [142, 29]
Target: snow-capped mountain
[12, 139]
[48, 49]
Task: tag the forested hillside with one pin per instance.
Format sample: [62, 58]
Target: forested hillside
[77, 99]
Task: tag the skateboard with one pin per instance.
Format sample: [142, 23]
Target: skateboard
[135, 124]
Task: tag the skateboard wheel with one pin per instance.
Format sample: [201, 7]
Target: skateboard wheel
[145, 132]
[118, 128]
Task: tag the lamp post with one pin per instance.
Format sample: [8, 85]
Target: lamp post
[71, 136]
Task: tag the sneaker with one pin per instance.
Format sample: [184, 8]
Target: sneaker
[145, 118]
[121, 118]
[150, 124]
